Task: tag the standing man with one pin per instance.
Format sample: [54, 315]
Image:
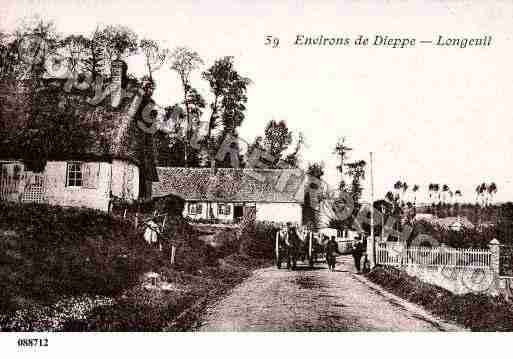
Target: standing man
[292, 242]
[280, 245]
[331, 253]
[358, 253]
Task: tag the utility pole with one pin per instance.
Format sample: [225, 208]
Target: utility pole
[372, 198]
[371, 245]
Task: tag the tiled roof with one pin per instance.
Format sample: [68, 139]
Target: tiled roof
[230, 184]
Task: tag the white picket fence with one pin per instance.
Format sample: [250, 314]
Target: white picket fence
[395, 254]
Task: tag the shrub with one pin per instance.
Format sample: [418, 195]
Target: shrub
[477, 312]
[53, 251]
[258, 241]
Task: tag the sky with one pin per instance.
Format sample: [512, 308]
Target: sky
[428, 114]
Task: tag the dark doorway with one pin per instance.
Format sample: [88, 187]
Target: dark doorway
[238, 212]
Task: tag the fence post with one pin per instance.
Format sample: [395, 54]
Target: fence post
[173, 253]
[371, 248]
[494, 259]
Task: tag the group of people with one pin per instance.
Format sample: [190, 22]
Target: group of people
[290, 238]
[289, 241]
[358, 251]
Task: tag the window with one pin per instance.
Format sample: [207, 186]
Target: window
[223, 209]
[83, 174]
[74, 174]
[195, 208]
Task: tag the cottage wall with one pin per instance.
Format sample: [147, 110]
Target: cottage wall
[57, 193]
[125, 180]
[204, 214]
[279, 212]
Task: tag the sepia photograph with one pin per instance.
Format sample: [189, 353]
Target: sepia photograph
[246, 167]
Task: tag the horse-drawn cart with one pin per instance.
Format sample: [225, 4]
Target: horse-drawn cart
[305, 248]
[310, 246]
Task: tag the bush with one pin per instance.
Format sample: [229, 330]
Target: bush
[258, 241]
[50, 251]
[477, 312]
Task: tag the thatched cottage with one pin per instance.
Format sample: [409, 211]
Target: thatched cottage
[115, 161]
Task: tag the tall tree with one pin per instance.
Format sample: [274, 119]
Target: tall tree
[315, 169]
[154, 56]
[8, 55]
[228, 105]
[492, 190]
[184, 61]
[415, 189]
[311, 215]
[405, 189]
[75, 50]
[430, 192]
[356, 170]
[483, 189]
[342, 151]
[94, 63]
[397, 187]
[36, 40]
[277, 138]
[118, 41]
[478, 193]
[445, 190]
[436, 189]
[389, 196]
[292, 158]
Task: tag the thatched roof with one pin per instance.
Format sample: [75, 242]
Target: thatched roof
[100, 133]
[230, 184]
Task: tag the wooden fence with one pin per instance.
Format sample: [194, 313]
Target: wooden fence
[24, 187]
[147, 221]
[394, 254]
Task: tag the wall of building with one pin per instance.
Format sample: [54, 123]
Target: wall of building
[272, 212]
[204, 214]
[279, 212]
[57, 193]
[125, 180]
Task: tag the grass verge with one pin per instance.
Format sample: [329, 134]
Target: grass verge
[72, 269]
[478, 312]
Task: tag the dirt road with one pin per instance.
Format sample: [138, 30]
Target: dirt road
[316, 300]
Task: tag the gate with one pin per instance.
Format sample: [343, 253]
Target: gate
[19, 186]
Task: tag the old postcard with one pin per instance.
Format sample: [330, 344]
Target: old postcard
[238, 166]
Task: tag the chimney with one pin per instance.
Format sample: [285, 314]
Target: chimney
[118, 71]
